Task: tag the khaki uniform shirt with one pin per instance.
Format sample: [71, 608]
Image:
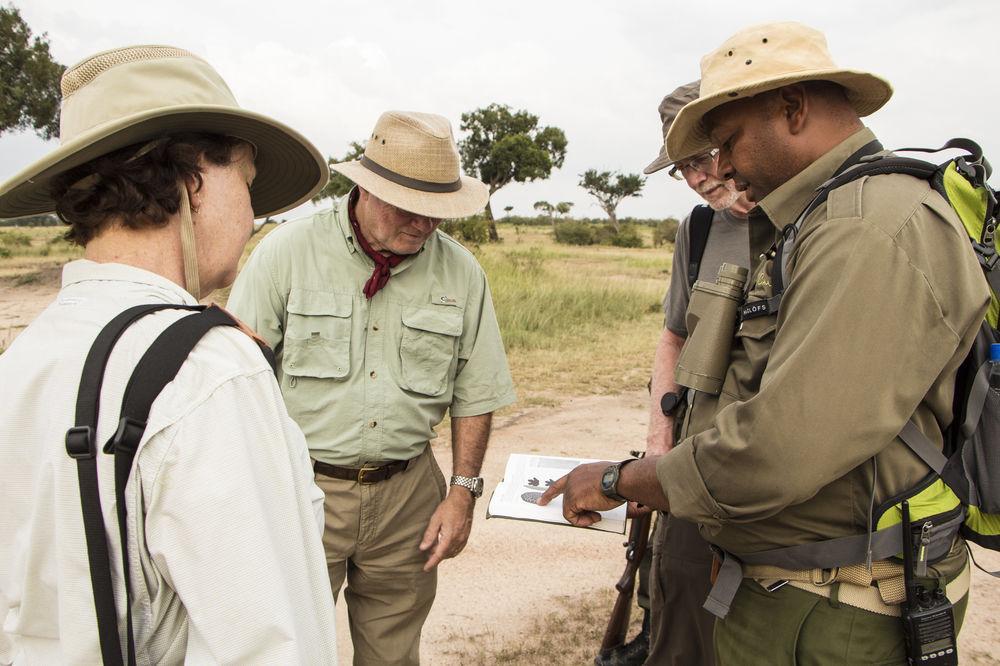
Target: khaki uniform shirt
[884, 298]
[368, 380]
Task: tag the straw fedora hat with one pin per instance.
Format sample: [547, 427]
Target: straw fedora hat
[762, 58]
[135, 94]
[411, 161]
[669, 107]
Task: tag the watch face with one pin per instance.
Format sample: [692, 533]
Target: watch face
[608, 479]
[477, 487]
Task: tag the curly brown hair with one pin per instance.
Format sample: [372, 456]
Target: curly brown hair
[137, 188]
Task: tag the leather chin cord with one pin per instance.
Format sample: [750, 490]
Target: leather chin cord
[189, 250]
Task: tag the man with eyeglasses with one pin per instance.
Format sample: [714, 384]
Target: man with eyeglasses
[714, 233]
[380, 324]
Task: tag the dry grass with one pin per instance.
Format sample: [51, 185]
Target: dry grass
[32, 255]
[563, 635]
[575, 320]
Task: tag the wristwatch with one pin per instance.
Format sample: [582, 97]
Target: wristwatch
[473, 484]
[609, 480]
[670, 402]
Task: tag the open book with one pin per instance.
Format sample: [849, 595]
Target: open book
[524, 481]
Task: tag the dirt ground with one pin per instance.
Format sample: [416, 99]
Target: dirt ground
[514, 573]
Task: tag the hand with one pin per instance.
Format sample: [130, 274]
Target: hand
[582, 495]
[449, 527]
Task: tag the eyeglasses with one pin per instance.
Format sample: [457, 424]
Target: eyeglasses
[702, 163]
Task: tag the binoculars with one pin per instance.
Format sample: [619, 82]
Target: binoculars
[711, 323]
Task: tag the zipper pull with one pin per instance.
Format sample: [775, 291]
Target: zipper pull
[920, 569]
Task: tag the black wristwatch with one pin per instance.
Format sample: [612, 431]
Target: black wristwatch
[609, 480]
[670, 402]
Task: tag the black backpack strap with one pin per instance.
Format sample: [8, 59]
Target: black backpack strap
[80, 445]
[699, 226]
[157, 368]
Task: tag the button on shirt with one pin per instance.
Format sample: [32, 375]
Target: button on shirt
[227, 563]
[368, 380]
[883, 300]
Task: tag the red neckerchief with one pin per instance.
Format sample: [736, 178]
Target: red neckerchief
[380, 276]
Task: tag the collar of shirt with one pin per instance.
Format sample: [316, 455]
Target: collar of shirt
[341, 214]
[784, 204]
[85, 270]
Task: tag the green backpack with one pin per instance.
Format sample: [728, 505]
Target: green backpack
[965, 477]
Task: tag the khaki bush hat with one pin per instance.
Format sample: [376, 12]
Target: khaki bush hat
[669, 107]
[411, 161]
[135, 94]
[762, 58]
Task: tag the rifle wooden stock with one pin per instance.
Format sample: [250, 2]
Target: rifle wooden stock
[635, 550]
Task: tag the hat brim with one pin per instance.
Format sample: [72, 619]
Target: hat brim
[662, 161]
[290, 169]
[866, 92]
[468, 200]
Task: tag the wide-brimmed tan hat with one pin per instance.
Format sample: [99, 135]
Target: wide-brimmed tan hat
[135, 94]
[669, 108]
[412, 162]
[762, 58]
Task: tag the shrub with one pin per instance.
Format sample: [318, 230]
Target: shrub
[574, 233]
[628, 236]
[665, 231]
[4, 252]
[471, 230]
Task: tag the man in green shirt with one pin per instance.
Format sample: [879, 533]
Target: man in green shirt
[882, 302]
[380, 324]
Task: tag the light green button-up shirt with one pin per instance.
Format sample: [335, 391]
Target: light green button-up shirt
[368, 380]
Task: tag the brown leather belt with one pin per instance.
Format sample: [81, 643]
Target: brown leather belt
[364, 475]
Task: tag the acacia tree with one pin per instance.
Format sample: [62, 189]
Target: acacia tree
[609, 188]
[548, 209]
[506, 210]
[503, 146]
[339, 184]
[30, 78]
[563, 208]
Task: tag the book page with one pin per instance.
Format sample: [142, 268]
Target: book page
[526, 477]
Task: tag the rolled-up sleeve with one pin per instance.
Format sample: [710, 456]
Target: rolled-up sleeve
[862, 337]
[482, 383]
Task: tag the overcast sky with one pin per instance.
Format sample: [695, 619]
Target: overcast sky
[596, 69]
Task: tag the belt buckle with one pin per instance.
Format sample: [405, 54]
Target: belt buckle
[361, 475]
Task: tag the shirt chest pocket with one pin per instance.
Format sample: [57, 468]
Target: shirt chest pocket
[751, 350]
[428, 348]
[317, 339]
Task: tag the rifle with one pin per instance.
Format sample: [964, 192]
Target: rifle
[635, 550]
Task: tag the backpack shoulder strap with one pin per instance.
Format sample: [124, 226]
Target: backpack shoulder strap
[80, 445]
[157, 367]
[699, 226]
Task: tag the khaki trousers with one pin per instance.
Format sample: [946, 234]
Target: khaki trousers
[680, 580]
[371, 539]
[792, 627]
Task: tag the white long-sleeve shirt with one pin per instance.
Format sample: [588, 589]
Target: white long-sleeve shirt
[225, 522]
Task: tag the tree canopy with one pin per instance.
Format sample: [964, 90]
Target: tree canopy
[30, 78]
[609, 188]
[503, 146]
[339, 184]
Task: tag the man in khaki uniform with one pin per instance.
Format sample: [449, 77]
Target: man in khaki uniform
[882, 302]
[380, 324]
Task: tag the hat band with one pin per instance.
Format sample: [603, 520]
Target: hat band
[406, 181]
